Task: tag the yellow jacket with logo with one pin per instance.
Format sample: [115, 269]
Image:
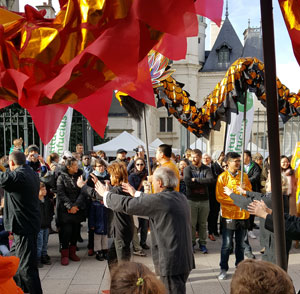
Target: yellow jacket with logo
[228, 209]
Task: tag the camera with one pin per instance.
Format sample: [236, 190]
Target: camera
[136, 150]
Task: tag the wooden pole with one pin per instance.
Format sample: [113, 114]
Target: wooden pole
[273, 130]
[147, 144]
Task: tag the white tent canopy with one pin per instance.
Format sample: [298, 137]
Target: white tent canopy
[125, 141]
[156, 143]
[199, 144]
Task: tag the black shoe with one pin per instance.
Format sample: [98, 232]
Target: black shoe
[39, 264]
[99, 255]
[105, 254]
[46, 259]
[145, 246]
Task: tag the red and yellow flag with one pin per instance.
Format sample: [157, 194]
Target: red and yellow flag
[291, 12]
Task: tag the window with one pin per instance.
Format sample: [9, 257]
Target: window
[223, 55]
[223, 52]
[166, 124]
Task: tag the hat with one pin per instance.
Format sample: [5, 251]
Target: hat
[121, 150]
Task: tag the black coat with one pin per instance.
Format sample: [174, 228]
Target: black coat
[135, 179]
[121, 224]
[3, 234]
[199, 189]
[21, 203]
[254, 176]
[98, 214]
[68, 195]
[170, 223]
[46, 209]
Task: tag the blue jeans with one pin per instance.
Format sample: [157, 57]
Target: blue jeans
[42, 242]
[227, 239]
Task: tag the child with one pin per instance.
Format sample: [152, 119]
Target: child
[98, 223]
[17, 145]
[46, 218]
[134, 278]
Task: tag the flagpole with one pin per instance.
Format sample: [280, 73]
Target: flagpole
[147, 144]
[244, 135]
[273, 130]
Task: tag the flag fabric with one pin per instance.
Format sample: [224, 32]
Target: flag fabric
[60, 141]
[291, 13]
[234, 134]
[295, 164]
[90, 48]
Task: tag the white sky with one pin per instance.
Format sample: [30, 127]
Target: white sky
[240, 11]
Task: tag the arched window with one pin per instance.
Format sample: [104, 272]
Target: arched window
[224, 55]
[223, 52]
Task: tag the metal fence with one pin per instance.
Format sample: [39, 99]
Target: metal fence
[16, 122]
[289, 134]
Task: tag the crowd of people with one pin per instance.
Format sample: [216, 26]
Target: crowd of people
[197, 197]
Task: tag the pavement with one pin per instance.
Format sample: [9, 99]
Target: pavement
[90, 276]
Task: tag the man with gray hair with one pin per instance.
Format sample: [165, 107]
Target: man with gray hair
[170, 223]
[22, 217]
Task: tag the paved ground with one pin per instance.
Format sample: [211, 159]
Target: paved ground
[90, 276]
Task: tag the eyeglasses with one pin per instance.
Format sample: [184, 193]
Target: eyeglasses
[139, 164]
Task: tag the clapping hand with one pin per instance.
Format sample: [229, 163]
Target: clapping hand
[100, 188]
[128, 189]
[240, 190]
[259, 208]
[81, 182]
[227, 190]
[73, 210]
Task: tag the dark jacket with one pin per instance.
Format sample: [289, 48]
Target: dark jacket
[21, 203]
[254, 176]
[198, 190]
[46, 209]
[37, 167]
[68, 195]
[3, 234]
[170, 222]
[136, 178]
[97, 213]
[122, 223]
[292, 225]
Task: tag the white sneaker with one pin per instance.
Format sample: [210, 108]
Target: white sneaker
[251, 235]
[222, 275]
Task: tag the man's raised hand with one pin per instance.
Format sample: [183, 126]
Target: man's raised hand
[100, 188]
[128, 189]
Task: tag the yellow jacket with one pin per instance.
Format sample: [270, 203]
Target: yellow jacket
[228, 209]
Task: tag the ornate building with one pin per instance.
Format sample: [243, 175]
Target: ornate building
[200, 72]
[10, 4]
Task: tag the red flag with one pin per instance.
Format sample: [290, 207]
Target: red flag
[211, 9]
[173, 47]
[47, 119]
[291, 13]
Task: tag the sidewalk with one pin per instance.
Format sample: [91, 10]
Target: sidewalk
[90, 276]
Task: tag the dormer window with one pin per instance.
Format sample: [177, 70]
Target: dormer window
[223, 52]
